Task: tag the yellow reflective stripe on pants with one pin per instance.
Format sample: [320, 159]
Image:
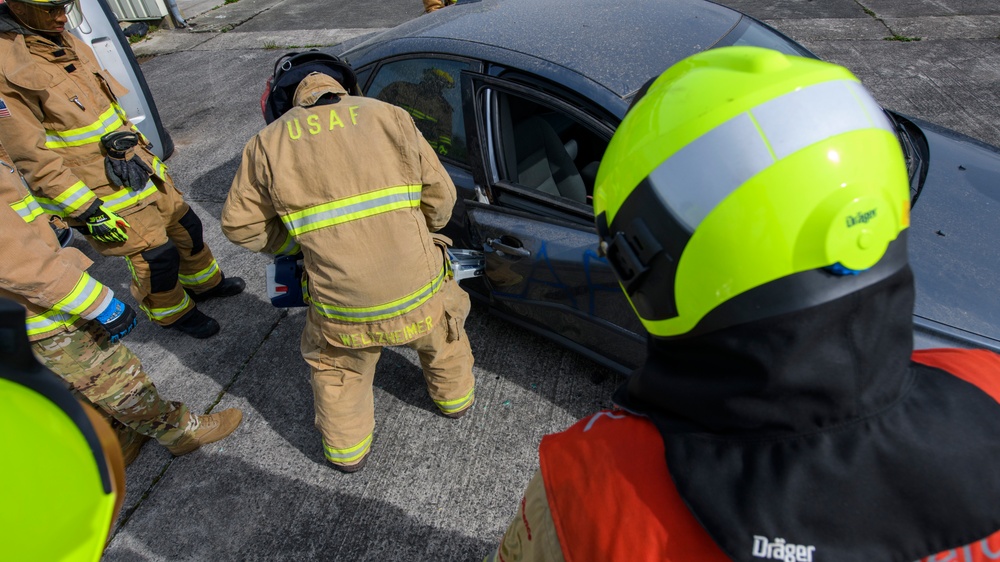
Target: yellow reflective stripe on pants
[124, 198]
[352, 208]
[78, 196]
[457, 405]
[27, 208]
[382, 311]
[162, 313]
[108, 121]
[83, 295]
[200, 277]
[350, 454]
[48, 321]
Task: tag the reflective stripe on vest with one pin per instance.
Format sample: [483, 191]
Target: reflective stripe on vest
[48, 321]
[27, 208]
[201, 277]
[109, 121]
[77, 197]
[350, 454]
[391, 309]
[352, 208]
[726, 157]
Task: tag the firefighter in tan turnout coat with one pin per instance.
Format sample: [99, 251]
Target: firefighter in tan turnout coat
[61, 121]
[352, 182]
[74, 324]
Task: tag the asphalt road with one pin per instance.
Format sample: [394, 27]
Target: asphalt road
[434, 488]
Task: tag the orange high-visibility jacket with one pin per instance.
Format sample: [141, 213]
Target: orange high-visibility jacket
[604, 492]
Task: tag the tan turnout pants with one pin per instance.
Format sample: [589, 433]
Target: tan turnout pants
[166, 253]
[431, 5]
[342, 379]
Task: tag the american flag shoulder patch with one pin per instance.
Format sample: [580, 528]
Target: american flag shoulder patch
[4, 112]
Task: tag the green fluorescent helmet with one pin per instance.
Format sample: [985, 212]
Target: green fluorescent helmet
[61, 467]
[740, 167]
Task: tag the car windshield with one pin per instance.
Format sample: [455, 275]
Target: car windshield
[750, 33]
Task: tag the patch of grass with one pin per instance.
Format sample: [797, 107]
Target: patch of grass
[903, 38]
[133, 39]
[869, 12]
[227, 2]
[270, 45]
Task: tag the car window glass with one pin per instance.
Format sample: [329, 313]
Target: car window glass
[756, 35]
[429, 90]
[546, 151]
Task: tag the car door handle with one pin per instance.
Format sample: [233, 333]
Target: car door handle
[508, 245]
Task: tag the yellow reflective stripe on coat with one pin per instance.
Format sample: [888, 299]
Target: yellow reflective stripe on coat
[77, 197]
[159, 168]
[163, 313]
[349, 454]
[27, 208]
[48, 321]
[381, 312]
[201, 277]
[289, 248]
[82, 297]
[352, 208]
[457, 405]
[124, 198]
[108, 121]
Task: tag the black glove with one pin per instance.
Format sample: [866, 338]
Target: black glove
[118, 319]
[103, 224]
[121, 165]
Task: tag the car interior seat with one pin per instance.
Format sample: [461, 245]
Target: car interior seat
[534, 155]
[543, 162]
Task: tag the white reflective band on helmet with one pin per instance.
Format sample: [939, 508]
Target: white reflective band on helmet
[696, 178]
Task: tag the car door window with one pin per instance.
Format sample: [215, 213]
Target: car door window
[428, 89]
[545, 151]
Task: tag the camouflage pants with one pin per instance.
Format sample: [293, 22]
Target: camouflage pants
[110, 377]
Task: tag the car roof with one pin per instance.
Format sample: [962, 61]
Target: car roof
[619, 45]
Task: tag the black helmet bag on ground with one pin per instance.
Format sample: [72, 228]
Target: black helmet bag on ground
[291, 68]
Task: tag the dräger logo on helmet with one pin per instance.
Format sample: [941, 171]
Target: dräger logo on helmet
[780, 550]
[860, 218]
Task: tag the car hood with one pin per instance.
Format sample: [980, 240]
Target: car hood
[619, 47]
[955, 234]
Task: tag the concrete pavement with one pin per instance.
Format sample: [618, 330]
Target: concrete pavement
[435, 489]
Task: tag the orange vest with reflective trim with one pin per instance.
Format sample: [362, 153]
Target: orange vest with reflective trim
[612, 498]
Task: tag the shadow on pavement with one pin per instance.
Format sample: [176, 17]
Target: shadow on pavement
[240, 512]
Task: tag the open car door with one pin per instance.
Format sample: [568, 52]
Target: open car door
[542, 269]
[546, 275]
[99, 28]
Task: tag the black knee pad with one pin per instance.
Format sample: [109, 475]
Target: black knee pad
[192, 224]
[164, 265]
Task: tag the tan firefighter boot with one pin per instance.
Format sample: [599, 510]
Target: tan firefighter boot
[211, 428]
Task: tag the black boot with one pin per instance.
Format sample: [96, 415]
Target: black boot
[229, 286]
[196, 324]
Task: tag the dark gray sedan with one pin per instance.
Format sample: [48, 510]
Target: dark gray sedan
[520, 99]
